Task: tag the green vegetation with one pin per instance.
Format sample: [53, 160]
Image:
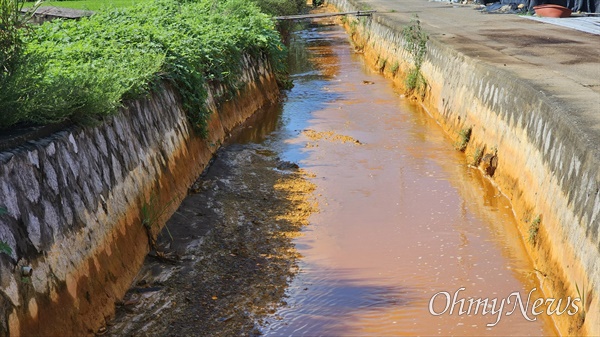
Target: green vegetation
[353, 24]
[581, 295]
[381, 64]
[534, 228]
[152, 213]
[395, 67]
[415, 40]
[92, 5]
[464, 136]
[476, 159]
[415, 80]
[13, 26]
[82, 70]
[4, 247]
[353, 30]
[280, 7]
[271, 7]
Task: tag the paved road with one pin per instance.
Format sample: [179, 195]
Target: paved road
[590, 24]
[562, 62]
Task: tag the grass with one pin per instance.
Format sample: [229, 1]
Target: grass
[353, 26]
[382, 63]
[82, 70]
[415, 81]
[581, 295]
[271, 7]
[395, 67]
[152, 212]
[464, 136]
[476, 159]
[92, 5]
[534, 228]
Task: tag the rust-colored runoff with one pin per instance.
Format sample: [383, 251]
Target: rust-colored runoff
[402, 218]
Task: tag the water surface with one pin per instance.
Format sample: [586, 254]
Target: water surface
[401, 215]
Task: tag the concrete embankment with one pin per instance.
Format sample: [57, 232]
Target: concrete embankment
[74, 203]
[522, 101]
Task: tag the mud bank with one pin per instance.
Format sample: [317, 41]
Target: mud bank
[544, 160]
[226, 254]
[74, 204]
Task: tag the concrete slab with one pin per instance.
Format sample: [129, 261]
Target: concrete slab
[60, 12]
[48, 13]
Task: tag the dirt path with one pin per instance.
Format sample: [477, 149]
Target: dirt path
[231, 253]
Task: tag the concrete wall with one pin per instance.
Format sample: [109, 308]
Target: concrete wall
[546, 163]
[73, 204]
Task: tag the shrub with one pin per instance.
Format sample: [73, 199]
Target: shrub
[81, 70]
[12, 22]
[280, 7]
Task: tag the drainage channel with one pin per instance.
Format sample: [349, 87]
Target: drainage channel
[402, 218]
[397, 219]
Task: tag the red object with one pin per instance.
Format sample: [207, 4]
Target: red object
[552, 11]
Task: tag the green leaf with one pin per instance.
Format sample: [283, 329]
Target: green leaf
[84, 69]
[5, 248]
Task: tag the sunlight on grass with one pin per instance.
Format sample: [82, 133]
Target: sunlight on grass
[93, 5]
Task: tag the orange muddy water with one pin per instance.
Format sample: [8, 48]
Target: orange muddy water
[402, 218]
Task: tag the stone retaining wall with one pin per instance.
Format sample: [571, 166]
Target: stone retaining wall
[73, 204]
[543, 160]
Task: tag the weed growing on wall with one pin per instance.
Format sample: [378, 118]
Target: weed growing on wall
[4, 247]
[381, 64]
[476, 159]
[415, 42]
[534, 228]
[464, 136]
[82, 70]
[280, 7]
[395, 67]
[353, 24]
[152, 212]
[581, 295]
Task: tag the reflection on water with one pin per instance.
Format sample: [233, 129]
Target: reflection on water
[402, 218]
[310, 70]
